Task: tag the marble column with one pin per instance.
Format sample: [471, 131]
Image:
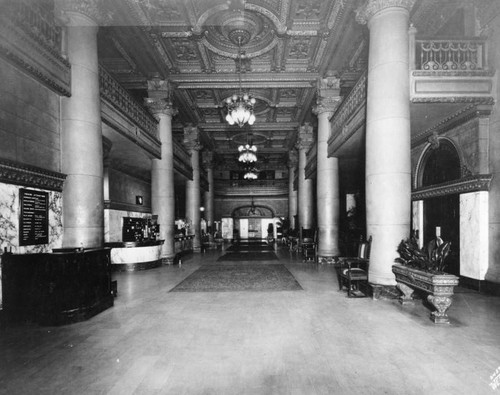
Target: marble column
[81, 134]
[162, 170]
[106, 151]
[305, 187]
[388, 161]
[193, 192]
[208, 164]
[327, 173]
[292, 193]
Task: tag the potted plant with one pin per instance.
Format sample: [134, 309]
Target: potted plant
[423, 269]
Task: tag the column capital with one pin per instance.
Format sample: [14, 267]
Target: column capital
[192, 138]
[328, 95]
[160, 106]
[208, 159]
[93, 12]
[293, 159]
[371, 7]
[306, 138]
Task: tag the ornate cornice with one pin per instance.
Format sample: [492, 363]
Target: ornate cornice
[458, 118]
[468, 184]
[371, 7]
[30, 53]
[31, 176]
[454, 99]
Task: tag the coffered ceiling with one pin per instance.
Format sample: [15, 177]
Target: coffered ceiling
[285, 46]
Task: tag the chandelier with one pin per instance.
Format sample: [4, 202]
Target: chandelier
[240, 106]
[251, 174]
[247, 153]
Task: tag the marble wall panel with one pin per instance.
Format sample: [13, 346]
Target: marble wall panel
[474, 234]
[9, 221]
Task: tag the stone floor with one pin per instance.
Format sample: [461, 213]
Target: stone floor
[314, 341]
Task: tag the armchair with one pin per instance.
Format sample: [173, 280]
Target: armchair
[353, 271]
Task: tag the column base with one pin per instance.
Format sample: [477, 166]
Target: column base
[327, 260]
[167, 260]
[384, 292]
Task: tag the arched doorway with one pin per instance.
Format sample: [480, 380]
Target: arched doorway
[252, 222]
[441, 164]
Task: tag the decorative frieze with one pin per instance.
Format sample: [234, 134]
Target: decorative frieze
[371, 7]
[112, 92]
[468, 184]
[30, 176]
[35, 54]
[192, 138]
[458, 118]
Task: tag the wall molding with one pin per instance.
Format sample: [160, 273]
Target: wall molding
[19, 174]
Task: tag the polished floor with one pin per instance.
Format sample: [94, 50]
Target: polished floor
[314, 341]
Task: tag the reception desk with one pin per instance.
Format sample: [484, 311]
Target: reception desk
[133, 256]
[66, 286]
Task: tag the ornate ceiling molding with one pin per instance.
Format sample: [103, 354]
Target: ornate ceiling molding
[20, 174]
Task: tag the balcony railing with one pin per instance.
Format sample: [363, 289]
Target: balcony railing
[115, 94]
[245, 187]
[450, 54]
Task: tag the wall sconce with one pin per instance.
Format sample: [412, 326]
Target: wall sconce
[139, 200]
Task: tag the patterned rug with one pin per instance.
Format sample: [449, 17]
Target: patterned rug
[239, 277]
[248, 256]
[250, 247]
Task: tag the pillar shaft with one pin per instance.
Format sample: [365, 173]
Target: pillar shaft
[209, 198]
[193, 199]
[292, 194]
[388, 161]
[305, 187]
[162, 187]
[193, 190]
[327, 174]
[81, 139]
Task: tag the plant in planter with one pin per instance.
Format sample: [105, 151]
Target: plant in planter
[423, 269]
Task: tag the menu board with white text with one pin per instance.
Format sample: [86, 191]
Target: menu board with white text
[34, 217]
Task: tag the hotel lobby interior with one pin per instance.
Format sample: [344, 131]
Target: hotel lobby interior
[249, 197]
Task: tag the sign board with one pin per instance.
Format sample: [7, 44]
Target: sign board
[34, 217]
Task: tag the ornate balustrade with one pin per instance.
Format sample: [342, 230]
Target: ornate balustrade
[114, 93]
[450, 70]
[450, 55]
[245, 187]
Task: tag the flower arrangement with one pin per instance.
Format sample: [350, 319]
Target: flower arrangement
[431, 258]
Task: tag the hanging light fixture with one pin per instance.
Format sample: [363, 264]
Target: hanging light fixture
[247, 153]
[251, 174]
[240, 106]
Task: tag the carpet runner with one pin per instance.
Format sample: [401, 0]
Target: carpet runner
[239, 277]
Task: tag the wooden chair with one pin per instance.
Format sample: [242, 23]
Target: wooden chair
[353, 271]
[308, 245]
